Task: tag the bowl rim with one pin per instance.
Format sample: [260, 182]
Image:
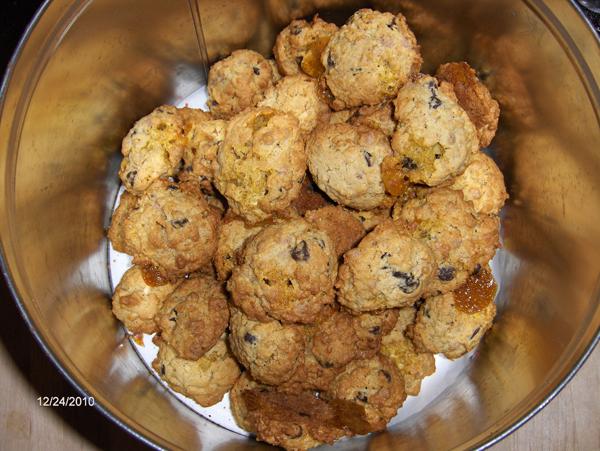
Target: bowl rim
[4, 269]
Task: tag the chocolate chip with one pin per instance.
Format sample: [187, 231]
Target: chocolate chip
[330, 61]
[392, 25]
[437, 156]
[256, 70]
[387, 375]
[476, 270]
[446, 273]
[289, 283]
[474, 333]
[362, 397]
[408, 283]
[376, 330]
[249, 338]
[300, 252]
[131, 177]
[179, 223]
[385, 254]
[409, 163]
[368, 158]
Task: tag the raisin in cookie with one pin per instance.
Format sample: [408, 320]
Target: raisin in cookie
[298, 95]
[287, 273]
[435, 138]
[474, 97]
[299, 46]
[135, 303]
[169, 226]
[441, 327]
[271, 352]
[152, 149]
[344, 229]
[194, 316]
[367, 394]
[232, 236]
[389, 268]
[459, 238]
[238, 82]
[482, 184]
[261, 163]
[345, 162]
[205, 380]
[369, 59]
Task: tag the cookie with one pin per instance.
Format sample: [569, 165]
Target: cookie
[261, 163]
[344, 229]
[287, 273]
[372, 218]
[441, 327]
[389, 268]
[135, 303]
[193, 317]
[380, 117]
[204, 135]
[310, 198]
[474, 97]
[482, 184]
[152, 149]
[232, 236]
[435, 138]
[238, 82]
[345, 161]
[293, 421]
[116, 234]
[169, 226]
[205, 380]
[367, 394]
[460, 239]
[299, 46]
[271, 352]
[369, 59]
[412, 364]
[276, 74]
[299, 96]
[236, 401]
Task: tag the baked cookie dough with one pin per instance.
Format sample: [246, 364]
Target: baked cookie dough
[345, 161]
[287, 274]
[344, 229]
[440, 327]
[369, 59]
[389, 268]
[299, 96]
[152, 149]
[193, 317]
[236, 401]
[474, 97]
[205, 380]
[380, 117]
[299, 46]
[367, 394]
[482, 184]
[435, 138]
[232, 236]
[412, 364]
[372, 218]
[459, 238]
[238, 82]
[169, 226]
[135, 303]
[310, 198]
[261, 163]
[271, 352]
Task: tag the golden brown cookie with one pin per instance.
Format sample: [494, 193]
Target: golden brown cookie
[194, 316]
[345, 161]
[435, 138]
[135, 303]
[169, 226]
[389, 268]
[460, 239]
[474, 97]
[299, 46]
[369, 59]
[287, 273]
[238, 82]
[205, 380]
[238, 406]
[271, 352]
[152, 149]
[344, 229]
[232, 236]
[310, 198]
[116, 235]
[261, 163]
[367, 394]
[372, 218]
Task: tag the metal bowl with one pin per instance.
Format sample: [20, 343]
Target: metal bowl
[85, 70]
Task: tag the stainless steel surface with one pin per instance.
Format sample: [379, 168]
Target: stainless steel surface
[87, 69]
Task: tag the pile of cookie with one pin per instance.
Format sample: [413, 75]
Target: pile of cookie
[326, 229]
